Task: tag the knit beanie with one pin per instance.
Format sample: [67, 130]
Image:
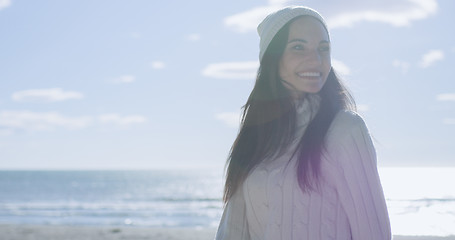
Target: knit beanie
[270, 26]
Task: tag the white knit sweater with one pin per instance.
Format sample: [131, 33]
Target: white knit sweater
[349, 205]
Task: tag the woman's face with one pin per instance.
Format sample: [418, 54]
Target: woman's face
[305, 63]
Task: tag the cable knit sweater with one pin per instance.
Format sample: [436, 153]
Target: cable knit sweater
[350, 203]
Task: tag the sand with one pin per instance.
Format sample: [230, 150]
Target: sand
[21, 232]
[27, 232]
[423, 238]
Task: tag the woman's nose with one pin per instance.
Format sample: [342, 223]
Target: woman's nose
[314, 58]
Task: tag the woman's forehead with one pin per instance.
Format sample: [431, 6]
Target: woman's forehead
[308, 27]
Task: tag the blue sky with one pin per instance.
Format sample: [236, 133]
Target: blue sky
[160, 84]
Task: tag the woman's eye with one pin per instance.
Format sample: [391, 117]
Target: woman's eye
[324, 48]
[297, 47]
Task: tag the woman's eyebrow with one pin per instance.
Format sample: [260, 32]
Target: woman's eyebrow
[298, 40]
[305, 41]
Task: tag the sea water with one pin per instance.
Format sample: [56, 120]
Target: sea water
[139, 198]
[421, 201]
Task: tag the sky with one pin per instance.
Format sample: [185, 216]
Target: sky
[160, 84]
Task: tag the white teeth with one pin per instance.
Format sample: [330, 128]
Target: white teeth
[309, 74]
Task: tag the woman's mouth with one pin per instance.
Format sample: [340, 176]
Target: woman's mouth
[309, 74]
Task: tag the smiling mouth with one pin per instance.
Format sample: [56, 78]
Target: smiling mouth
[309, 74]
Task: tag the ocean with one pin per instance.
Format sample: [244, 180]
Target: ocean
[421, 201]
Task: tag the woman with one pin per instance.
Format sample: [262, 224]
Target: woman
[303, 165]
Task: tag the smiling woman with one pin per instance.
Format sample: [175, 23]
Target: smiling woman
[305, 63]
[303, 165]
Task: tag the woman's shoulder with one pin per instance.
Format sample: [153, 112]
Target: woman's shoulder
[346, 124]
[345, 121]
[349, 134]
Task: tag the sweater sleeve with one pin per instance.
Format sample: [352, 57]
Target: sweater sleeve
[233, 224]
[356, 179]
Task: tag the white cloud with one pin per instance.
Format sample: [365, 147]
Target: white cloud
[45, 95]
[33, 121]
[248, 20]
[402, 65]
[136, 35]
[446, 97]
[125, 79]
[277, 2]
[431, 57]
[232, 70]
[341, 68]
[232, 119]
[121, 120]
[397, 14]
[6, 132]
[14, 121]
[193, 37]
[363, 107]
[4, 4]
[449, 121]
[345, 14]
[157, 65]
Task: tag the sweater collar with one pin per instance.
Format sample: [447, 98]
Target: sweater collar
[307, 108]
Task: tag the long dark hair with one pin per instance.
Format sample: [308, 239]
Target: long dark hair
[268, 123]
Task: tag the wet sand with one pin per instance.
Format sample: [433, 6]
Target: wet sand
[32, 232]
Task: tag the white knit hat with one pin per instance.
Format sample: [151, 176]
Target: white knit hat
[269, 27]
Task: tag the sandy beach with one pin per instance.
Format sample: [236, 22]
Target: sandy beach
[22, 232]
[29, 232]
